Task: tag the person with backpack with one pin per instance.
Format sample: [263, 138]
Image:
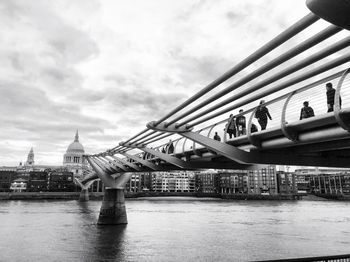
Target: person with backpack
[306, 111]
[217, 137]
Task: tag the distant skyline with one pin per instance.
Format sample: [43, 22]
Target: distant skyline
[108, 67]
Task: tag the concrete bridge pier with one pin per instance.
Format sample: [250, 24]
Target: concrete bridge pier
[113, 210]
[84, 195]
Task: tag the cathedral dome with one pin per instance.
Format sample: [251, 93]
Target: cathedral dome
[73, 159]
[75, 147]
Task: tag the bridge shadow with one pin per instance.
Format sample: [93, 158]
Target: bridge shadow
[110, 243]
[101, 243]
[86, 211]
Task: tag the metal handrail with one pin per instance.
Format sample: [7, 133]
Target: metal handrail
[280, 98]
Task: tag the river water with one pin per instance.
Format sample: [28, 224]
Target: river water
[174, 229]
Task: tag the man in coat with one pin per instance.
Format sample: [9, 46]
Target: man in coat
[262, 113]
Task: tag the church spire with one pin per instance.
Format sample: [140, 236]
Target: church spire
[76, 139]
[30, 158]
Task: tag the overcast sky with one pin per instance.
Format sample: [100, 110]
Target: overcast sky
[107, 68]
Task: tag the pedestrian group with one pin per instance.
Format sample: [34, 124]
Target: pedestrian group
[236, 126]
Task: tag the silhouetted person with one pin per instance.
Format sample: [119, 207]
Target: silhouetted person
[241, 124]
[330, 97]
[170, 147]
[231, 126]
[306, 111]
[217, 137]
[262, 113]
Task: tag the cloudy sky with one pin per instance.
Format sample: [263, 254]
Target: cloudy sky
[108, 67]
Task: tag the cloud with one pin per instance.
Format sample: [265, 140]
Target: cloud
[109, 67]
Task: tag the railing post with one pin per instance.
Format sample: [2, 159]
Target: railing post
[287, 131]
[342, 121]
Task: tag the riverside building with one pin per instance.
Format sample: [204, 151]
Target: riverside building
[208, 182]
[257, 181]
[139, 182]
[173, 182]
[331, 184]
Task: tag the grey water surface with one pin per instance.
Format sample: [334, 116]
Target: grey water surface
[174, 229]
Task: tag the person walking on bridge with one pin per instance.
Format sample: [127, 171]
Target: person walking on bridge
[262, 113]
[306, 111]
[170, 147]
[241, 124]
[231, 126]
[331, 97]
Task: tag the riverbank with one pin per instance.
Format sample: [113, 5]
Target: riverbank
[39, 195]
[99, 196]
[334, 197]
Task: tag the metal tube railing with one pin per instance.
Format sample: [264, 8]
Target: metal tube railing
[253, 97]
[300, 65]
[280, 98]
[302, 24]
[277, 99]
[278, 40]
[316, 39]
[159, 138]
[144, 136]
[326, 79]
[150, 138]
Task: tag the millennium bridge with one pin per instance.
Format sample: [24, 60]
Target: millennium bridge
[198, 133]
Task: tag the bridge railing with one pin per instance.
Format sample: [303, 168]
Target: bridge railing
[286, 106]
[315, 93]
[285, 79]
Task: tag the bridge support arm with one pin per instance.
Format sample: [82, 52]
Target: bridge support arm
[231, 152]
[113, 168]
[106, 178]
[132, 165]
[103, 166]
[143, 162]
[84, 193]
[168, 158]
[90, 176]
[115, 163]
